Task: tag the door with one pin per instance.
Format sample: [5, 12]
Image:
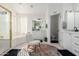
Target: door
[4, 30]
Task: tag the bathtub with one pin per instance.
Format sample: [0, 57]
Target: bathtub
[18, 38]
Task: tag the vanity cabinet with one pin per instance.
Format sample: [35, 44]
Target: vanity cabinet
[75, 44]
[67, 41]
[71, 34]
[71, 42]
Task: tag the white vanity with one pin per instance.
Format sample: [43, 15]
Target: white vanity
[70, 40]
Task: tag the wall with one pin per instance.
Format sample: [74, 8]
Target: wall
[18, 40]
[60, 8]
[21, 23]
[4, 45]
[57, 9]
[53, 9]
[35, 34]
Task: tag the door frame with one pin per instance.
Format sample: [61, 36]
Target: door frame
[58, 13]
[10, 30]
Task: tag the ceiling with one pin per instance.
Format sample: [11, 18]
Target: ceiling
[35, 8]
[28, 8]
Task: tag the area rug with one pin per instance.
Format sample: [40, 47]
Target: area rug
[39, 50]
[66, 53]
[12, 52]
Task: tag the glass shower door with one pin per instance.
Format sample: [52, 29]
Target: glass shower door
[4, 30]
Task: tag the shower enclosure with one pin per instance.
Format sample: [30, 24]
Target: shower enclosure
[5, 29]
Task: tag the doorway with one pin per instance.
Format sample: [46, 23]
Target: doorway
[54, 28]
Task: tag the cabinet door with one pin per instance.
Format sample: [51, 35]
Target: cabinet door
[77, 19]
[75, 44]
[70, 20]
[67, 42]
[61, 38]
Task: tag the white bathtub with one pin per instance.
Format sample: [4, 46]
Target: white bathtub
[17, 39]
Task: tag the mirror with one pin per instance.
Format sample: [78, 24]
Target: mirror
[77, 20]
[71, 21]
[38, 24]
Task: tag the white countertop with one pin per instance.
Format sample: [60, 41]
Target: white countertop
[72, 32]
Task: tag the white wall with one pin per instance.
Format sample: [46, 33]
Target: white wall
[4, 45]
[57, 9]
[52, 8]
[21, 23]
[60, 8]
[35, 34]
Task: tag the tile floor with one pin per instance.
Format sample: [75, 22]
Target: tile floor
[25, 44]
[52, 44]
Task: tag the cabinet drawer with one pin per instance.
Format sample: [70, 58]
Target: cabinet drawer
[76, 44]
[76, 52]
[75, 38]
[75, 48]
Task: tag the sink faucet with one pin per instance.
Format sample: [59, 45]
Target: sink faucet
[76, 29]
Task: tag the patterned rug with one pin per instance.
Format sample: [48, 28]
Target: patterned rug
[39, 50]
